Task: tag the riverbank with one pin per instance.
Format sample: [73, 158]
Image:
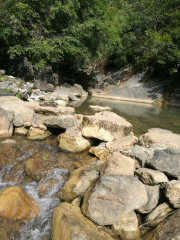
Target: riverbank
[91, 199]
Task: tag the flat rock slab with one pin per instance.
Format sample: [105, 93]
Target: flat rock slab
[54, 111]
[68, 223]
[112, 197]
[61, 122]
[105, 126]
[167, 161]
[157, 135]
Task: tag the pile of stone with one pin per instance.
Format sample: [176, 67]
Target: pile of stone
[40, 91]
[127, 187]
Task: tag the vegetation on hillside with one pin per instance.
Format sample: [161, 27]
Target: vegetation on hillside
[82, 32]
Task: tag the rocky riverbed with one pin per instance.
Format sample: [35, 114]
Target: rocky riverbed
[116, 182]
[68, 176]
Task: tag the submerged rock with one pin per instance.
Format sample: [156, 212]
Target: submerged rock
[80, 180]
[15, 204]
[105, 126]
[112, 197]
[100, 108]
[69, 224]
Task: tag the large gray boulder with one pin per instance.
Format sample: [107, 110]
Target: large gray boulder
[167, 161]
[6, 123]
[112, 197]
[105, 126]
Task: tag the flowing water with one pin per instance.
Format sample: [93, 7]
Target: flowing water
[56, 162]
[142, 116]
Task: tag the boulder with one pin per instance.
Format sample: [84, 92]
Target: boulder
[100, 151]
[127, 227]
[21, 131]
[105, 126]
[18, 120]
[80, 180]
[167, 161]
[6, 123]
[15, 204]
[112, 197]
[72, 141]
[68, 223]
[170, 230]
[172, 192]
[61, 122]
[38, 84]
[118, 164]
[153, 198]
[151, 177]
[141, 154]
[122, 144]
[158, 214]
[50, 87]
[38, 134]
[157, 135]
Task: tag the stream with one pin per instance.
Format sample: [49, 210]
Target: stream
[58, 163]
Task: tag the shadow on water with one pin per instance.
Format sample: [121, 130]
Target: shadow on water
[142, 116]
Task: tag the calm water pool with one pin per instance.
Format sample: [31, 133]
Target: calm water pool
[142, 116]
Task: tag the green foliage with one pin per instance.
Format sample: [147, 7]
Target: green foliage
[18, 95]
[44, 158]
[83, 32]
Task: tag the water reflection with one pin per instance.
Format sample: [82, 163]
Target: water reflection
[142, 116]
